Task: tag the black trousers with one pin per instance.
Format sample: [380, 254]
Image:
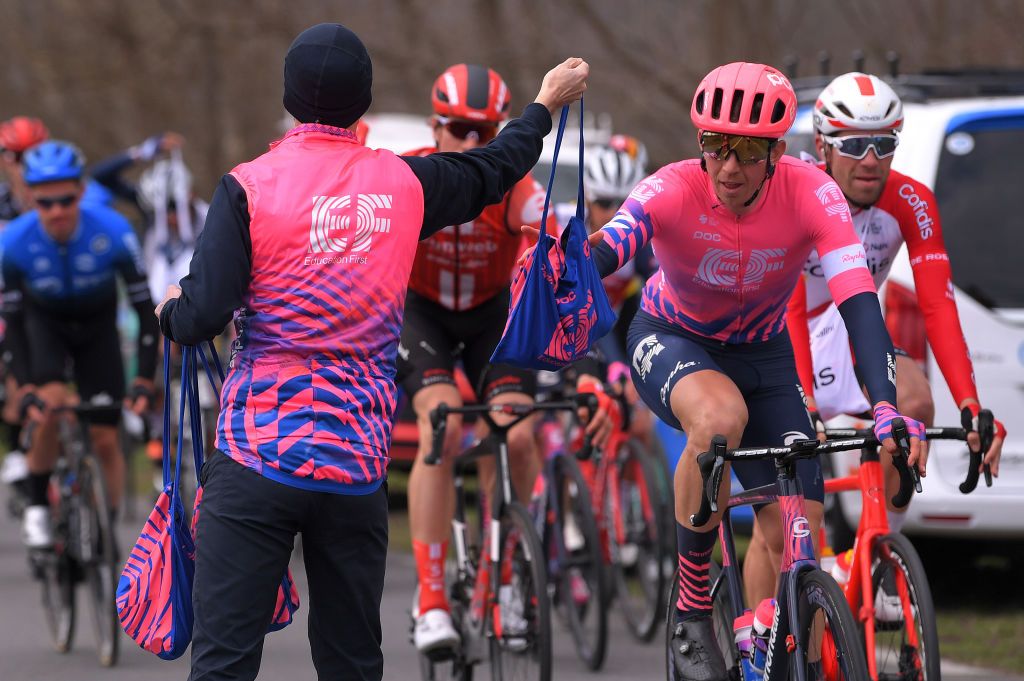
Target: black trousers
[247, 527]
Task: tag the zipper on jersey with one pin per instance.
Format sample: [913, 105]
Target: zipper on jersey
[739, 272]
[63, 252]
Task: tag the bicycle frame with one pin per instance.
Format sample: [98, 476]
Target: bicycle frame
[874, 524]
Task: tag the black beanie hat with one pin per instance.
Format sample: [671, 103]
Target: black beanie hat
[327, 76]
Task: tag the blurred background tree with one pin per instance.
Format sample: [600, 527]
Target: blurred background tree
[108, 73]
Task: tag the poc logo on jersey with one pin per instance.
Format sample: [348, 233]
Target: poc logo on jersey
[721, 267]
[332, 229]
[832, 199]
[644, 354]
[920, 208]
[647, 190]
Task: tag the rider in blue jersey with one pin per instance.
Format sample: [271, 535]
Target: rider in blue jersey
[60, 264]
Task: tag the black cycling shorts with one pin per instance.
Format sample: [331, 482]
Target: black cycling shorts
[434, 337]
[765, 374]
[91, 346]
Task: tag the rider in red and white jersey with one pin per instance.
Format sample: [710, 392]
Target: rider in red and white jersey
[709, 348]
[857, 119]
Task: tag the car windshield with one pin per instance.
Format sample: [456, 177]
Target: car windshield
[978, 176]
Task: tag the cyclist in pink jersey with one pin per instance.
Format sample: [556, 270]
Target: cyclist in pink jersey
[709, 348]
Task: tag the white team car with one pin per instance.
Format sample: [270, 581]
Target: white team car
[964, 138]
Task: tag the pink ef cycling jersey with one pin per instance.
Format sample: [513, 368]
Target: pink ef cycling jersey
[905, 212]
[310, 397]
[729, 277]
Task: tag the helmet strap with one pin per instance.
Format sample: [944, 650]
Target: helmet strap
[768, 172]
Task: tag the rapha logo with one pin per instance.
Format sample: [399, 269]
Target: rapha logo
[647, 190]
[644, 354]
[832, 199]
[722, 267]
[332, 230]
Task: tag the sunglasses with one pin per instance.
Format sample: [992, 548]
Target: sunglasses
[48, 202]
[748, 150]
[462, 130]
[607, 204]
[856, 146]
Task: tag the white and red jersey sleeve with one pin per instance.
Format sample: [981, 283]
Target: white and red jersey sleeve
[841, 253]
[800, 336]
[917, 212]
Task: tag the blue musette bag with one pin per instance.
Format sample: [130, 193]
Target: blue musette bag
[559, 307]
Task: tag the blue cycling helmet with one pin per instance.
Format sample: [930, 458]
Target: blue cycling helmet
[52, 161]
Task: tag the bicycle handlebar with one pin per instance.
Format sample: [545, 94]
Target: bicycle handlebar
[986, 430]
[439, 419]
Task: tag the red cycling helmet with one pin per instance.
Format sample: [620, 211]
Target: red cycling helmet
[471, 93]
[744, 99]
[22, 132]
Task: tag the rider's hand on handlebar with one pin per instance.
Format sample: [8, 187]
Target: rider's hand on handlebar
[599, 424]
[141, 396]
[884, 414]
[994, 453]
[31, 406]
[816, 421]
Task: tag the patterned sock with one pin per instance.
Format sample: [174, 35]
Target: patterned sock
[430, 570]
[694, 565]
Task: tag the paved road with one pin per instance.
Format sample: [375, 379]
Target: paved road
[26, 655]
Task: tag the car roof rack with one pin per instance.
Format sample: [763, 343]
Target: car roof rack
[928, 85]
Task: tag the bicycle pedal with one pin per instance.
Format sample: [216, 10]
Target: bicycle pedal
[442, 654]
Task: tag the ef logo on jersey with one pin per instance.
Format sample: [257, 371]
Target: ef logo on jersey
[724, 268]
[340, 226]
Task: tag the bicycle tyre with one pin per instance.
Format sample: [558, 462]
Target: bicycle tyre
[640, 581]
[588, 621]
[818, 592]
[903, 662]
[58, 571]
[99, 559]
[521, 546]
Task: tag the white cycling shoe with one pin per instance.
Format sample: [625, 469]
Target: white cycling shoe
[434, 631]
[514, 625]
[888, 607]
[35, 527]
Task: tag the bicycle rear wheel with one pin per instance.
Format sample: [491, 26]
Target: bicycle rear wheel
[582, 594]
[827, 632]
[521, 646]
[906, 635]
[98, 555]
[636, 541]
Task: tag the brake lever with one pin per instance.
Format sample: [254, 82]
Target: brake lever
[974, 457]
[711, 464]
[910, 480]
[987, 431]
[439, 426]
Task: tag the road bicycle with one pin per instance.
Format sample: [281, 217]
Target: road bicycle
[499, 590]
[84, 546]
[888, 589]
[813, 634]
[564, 517]
[629, 503]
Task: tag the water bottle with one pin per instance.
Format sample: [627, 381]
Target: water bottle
[762, 626]
[741, 628]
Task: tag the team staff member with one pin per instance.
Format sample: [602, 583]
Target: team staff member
[313, 243]
[456, 309]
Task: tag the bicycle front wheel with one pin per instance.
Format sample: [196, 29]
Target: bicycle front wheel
[521, 645]
[57, 572]
[826, 631]
[635, 532]
[906, 635]
[98, 555]
[581, 588]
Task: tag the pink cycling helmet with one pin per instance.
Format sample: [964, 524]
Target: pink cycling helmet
[744, 99]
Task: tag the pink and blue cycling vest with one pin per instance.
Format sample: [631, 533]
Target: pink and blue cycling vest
[310, 397]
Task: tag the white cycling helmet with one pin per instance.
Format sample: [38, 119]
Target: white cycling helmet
[857, 101]
[611, 173]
